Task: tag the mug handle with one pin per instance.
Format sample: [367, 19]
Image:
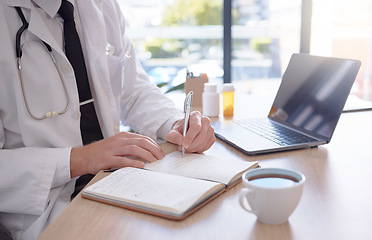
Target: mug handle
[243, 199]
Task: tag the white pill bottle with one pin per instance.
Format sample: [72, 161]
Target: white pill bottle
[211, 100]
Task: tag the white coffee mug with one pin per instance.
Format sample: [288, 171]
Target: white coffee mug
[272, 193]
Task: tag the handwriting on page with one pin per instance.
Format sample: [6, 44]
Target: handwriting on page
[151, 188]
[200, 166]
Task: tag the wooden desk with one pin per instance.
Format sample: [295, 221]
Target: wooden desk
[336, 202]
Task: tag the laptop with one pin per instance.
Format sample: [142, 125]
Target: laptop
[305, 111]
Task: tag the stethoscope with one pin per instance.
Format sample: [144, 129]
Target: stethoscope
[48, 114]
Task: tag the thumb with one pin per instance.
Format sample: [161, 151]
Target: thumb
[175, 137]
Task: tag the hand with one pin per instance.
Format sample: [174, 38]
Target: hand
[121, 150]
[199, 136]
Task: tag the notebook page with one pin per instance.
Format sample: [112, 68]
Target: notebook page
[168, 193]
[200, 166]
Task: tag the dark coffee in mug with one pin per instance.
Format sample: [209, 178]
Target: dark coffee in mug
[273, 181]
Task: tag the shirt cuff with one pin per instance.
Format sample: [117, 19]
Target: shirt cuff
[164, 129]
[62, 173]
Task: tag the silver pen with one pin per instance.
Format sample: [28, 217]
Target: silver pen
[187, 110]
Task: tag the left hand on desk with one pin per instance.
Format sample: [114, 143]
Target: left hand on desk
[199, 136]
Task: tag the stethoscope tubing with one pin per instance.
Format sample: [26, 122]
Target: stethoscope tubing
[48, 114]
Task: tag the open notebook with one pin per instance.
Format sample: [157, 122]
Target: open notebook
[173, 187]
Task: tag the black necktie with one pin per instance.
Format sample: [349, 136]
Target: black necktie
[89, 125]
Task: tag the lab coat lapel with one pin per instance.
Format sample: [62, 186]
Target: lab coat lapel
[95, 39]
[38, 27]
[18, 3]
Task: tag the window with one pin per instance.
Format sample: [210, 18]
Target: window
[343, 28]
[264, 36]
[174, 34]
[171, 35]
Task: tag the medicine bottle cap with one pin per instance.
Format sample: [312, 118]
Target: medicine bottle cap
[210, 87]
[228, 87]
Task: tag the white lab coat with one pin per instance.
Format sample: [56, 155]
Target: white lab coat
[35, 183]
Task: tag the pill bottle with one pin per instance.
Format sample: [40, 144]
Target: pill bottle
[228, 99]
[211, 100]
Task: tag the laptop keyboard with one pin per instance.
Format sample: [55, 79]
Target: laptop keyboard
[274, 132]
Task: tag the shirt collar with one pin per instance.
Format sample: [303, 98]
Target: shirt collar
[49, 6]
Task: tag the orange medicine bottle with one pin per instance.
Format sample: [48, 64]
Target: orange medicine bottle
[228, 99]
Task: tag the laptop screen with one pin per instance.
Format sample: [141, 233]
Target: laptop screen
[313, 93]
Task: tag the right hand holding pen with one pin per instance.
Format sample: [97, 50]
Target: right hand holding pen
[114, 152]
[199, 137]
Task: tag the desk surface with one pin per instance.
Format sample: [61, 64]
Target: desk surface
[336, 202]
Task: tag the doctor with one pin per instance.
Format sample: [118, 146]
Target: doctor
[40, 159]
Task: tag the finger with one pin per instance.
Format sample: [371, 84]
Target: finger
[179, 125]
[208, 144]
[199, 141]
[201, 136]
[101, 154]
[205, 139]
[142, 142]
[194, 128]
[137, 152]
[153, 148]
[135, 135]
[120, 162]
[175, 137]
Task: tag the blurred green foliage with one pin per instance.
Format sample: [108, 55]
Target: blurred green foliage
[193, 12]
[261, 45]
